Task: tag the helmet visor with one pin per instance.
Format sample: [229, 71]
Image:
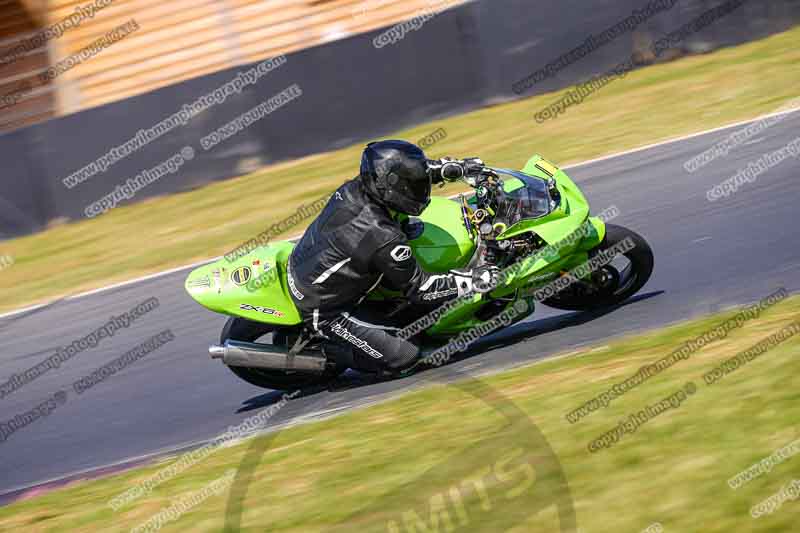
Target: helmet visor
[417, 189]
[412, 196]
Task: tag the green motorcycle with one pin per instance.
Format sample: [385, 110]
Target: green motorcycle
[533, 224]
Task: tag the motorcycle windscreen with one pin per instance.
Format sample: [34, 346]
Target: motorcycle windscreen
[530, 201]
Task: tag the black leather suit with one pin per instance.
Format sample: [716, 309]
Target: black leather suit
[353, 245]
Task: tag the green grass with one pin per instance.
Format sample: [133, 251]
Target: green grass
[358, 471]
[652, 104]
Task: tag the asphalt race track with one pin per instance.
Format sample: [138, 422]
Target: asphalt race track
[709, 256]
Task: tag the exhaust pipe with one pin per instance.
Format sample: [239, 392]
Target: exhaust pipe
[249, 354]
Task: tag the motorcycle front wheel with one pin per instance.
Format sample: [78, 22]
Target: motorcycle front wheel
[613, 283]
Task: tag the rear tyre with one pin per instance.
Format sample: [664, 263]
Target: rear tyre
[611, 284]
[241, 329]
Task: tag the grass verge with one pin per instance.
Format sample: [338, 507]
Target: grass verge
[648, 105]
[457, 454]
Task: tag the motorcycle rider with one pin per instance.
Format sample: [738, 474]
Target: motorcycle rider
[356, 243]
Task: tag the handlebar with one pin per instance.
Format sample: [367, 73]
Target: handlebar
[448, 169]
[487, 184]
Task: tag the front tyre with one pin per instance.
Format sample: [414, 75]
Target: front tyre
[244, 330]
[612, 283]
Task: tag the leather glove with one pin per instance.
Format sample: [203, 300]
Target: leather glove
[464, 281]
[485, 278]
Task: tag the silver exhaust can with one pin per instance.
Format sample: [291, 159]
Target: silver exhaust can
[254, 355]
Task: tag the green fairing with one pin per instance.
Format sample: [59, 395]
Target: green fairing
[568, 218]
[445, 244]
[266, 289]
[535, 271]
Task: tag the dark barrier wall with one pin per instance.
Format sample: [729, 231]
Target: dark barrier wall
[352, 91]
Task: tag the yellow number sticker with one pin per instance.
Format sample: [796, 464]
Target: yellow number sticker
[547, 167]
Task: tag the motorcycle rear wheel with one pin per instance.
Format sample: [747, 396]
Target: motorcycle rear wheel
[622, 286]
[241, 329]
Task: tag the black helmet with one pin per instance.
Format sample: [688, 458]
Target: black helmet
[395, 174]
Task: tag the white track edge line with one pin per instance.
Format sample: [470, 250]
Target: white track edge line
[574, 165]
[170, 452]
[682, 138]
